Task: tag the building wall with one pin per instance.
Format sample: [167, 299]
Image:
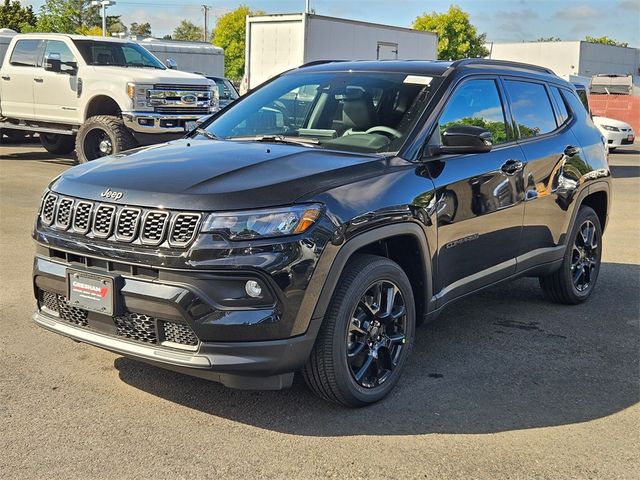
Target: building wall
[597, 58]
[561, 57]
[621, 107]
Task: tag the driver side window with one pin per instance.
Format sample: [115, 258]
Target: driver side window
[476, 103]
[68, 61]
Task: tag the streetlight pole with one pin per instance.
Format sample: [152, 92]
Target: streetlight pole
[104, 4]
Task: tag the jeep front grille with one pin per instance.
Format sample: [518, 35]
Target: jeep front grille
[179, 333]
[120, 223]
[48, 212]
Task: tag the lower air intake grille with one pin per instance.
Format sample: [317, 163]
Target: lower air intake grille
[179, 333]
[137, 326]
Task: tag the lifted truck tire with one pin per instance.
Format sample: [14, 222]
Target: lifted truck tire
[102, 135]
[56, 143]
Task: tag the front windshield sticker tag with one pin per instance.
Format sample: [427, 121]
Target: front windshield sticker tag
[418, 79]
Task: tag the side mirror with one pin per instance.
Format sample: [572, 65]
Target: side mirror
[171, 64]
[53, 62]
[465, 139]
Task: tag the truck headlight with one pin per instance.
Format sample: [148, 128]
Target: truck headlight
[610, 128]
[138, 95]
[265, 223]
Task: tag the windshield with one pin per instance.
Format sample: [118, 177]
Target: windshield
[116, 54]
[368, 112]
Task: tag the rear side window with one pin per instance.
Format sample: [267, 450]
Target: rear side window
[25, 53]
[562, 108]
[476, 103]
[531, 108]
[575, 104]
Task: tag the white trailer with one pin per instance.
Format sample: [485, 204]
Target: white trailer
[276, 43]
[194, 57]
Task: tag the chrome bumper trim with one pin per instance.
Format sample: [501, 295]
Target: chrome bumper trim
[151, 353]
[132, 121]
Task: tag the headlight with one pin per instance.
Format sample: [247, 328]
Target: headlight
[610, 128]
[138, 95]
[272, 222]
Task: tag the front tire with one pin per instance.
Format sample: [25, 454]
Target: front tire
[366, 335]
[101, 136]
[576, 278]
[58, 144]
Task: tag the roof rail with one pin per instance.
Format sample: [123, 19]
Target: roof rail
[320, 62]
[500, 63]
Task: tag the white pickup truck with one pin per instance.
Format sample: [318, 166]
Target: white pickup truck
[97, 95]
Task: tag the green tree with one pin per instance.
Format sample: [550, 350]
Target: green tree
[16, 17]
[67, 16]
[549, 39]
[187, 31]
[116, 25]
[140, 29]
[230, 34]
[457, 38]
[606, 41]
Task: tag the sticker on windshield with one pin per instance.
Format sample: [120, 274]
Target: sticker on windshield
[418, 79]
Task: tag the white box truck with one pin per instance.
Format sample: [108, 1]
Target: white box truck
[194, 57]
[276, 43]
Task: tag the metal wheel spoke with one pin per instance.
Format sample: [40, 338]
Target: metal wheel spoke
[363, 369]
[397, 339]
[399, 313]
[359, 348]
[368, 311]
[578, 274]
[357, 327]
[391, 292]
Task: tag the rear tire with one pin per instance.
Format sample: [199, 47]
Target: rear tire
[366, 335]
[575, 280]
[101, 136]
[58, 144]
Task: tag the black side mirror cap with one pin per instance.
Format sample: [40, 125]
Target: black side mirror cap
[53, 62]
[460, 139]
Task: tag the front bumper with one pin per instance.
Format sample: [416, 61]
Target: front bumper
[618, 139]
[220, 337]
[159, 123]
[244, 365]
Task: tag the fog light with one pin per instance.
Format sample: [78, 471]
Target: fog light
[253, 289]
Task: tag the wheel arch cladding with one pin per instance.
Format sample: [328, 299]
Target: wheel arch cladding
[598, 201]
[399, 242]
[102, 105]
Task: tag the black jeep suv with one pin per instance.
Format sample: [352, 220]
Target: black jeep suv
[314, 223]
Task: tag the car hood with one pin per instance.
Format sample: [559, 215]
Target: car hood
[216, 175]
[152, 75]
[610, 121]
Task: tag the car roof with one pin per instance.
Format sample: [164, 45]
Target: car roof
[435, 67]
[72, 37]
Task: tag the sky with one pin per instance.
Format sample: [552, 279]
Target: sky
[501, 20]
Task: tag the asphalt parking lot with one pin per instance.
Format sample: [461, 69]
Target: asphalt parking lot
[502, 385]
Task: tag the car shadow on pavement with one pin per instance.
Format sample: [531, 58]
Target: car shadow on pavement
[625, 171]
[44, 157]
[504, 359]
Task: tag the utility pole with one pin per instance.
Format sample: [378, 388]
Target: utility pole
[307, 6]
[104, 4]
[205, 34]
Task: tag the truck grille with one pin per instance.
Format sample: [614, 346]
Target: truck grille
[183, 110]
[133, 326]
[122, 224]
[180, 87]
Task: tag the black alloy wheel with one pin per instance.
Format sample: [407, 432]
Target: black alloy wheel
[376, 334]
[585, 256]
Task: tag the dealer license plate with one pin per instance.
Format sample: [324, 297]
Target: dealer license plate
[90, 291]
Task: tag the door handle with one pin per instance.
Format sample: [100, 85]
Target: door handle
[38, 79]
[6, 77]
[570, 151]
[512, 166]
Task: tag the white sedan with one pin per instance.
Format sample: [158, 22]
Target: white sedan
[616, 133]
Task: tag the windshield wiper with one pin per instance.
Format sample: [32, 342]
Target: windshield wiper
[278, 139]
[207, 133]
